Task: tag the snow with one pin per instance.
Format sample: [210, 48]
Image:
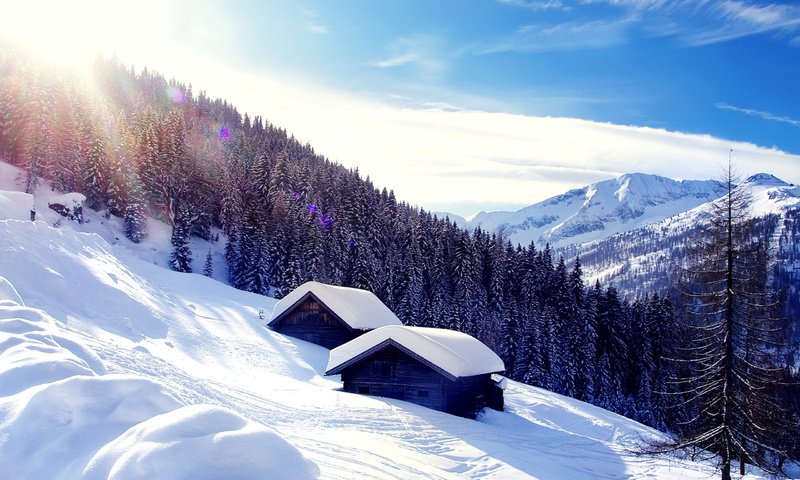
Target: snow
[199, 441]
[458, 354]
[69, 200]
[598, 211]
[114, 367]
[16, 205]
[360, 309]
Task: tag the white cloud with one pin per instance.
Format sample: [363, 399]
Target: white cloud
[397, 60]
[536, 4]
[317, 28]
[461, 159]
[693, 22]
[422, 51]
[563, 36]
[759, 114]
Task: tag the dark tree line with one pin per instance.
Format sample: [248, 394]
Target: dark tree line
[138, 144]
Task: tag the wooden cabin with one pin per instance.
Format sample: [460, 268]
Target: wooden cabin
[329, 315]
[441, 369]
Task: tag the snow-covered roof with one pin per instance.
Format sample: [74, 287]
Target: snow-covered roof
[455, 353]
[359, 309]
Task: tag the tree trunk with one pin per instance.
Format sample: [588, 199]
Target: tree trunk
[726, 468]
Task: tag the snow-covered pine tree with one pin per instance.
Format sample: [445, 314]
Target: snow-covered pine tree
[181, 257]
[95, 178]
[208, 268]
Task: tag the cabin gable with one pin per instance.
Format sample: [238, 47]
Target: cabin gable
[310, 319]
[391, 372]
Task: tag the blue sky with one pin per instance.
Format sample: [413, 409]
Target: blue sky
[463, 106]
[727, 68]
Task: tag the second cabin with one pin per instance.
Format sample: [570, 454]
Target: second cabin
[329, 315]
[436, 368]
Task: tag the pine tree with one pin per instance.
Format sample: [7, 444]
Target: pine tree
[208, 268]
[95, 175]
[732, 354]
[181, 257]
[135, 216]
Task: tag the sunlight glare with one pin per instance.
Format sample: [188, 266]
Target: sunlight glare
[72, 33]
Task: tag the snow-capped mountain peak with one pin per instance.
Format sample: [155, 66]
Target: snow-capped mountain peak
[766, 179]
[598, 210]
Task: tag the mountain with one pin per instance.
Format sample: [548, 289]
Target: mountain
[639, 261]
[599, 210]
[112, 366]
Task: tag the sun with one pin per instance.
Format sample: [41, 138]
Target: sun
[73, 33]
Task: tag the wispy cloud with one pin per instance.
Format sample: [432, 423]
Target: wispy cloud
[396, 61]
[536, 4]
[317, 28]
[313, 24]
[691, 22]
[422, 51]
[759, 114]
[566, 36]
[737, 19]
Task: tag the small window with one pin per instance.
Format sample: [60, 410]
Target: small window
[422, 393]
[363, 390]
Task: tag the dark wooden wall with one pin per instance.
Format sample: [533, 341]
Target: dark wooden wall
[312, 322]
[392, 373]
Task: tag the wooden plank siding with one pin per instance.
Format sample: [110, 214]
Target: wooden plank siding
[391, 372]
[394, 374]
[312, 321]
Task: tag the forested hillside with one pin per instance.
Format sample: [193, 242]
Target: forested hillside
[137, 144]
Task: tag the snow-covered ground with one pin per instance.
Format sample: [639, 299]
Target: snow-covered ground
[112, 366]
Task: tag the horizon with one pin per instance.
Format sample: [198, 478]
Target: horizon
[492, 107]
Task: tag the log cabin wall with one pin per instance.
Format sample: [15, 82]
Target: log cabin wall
[311, 321]
[392, 373]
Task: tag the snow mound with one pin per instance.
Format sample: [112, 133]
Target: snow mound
[51, 431]
[458, 354]
[199, 442]
[360, 309]
[15, 205]
[62, 416]
[70, 200]
[34, 351]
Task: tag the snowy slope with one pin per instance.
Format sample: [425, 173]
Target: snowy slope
[138, 364]
[599, 210]
[113, 367]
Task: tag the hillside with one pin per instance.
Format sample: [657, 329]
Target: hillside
[126, 364]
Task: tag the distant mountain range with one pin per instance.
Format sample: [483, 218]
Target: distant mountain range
[600, 210]
[633, 230]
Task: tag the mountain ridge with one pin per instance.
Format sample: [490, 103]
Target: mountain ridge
[596, 211]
